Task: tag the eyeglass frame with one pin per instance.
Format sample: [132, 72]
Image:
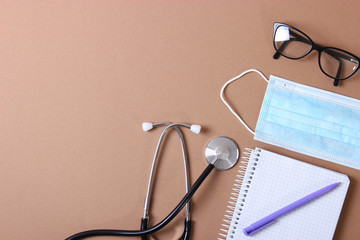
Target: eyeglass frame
[316, 47]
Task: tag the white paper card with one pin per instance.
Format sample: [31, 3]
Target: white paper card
[282, 34]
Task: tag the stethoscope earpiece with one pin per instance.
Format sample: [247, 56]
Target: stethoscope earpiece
[195, 128]
[146, 126]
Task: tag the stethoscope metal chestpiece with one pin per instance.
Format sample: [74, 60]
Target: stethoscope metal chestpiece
[224, 151]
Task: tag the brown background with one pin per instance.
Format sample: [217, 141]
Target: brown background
[77, 79]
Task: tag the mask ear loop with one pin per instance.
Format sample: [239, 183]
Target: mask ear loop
[228, 106]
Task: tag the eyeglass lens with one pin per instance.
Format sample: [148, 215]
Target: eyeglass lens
[291, 43]
[337, 64]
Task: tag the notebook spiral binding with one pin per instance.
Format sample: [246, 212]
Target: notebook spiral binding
[232, 210]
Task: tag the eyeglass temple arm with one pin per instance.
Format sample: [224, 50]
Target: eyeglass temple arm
[280, 49]
[298, 38]
[336, 55]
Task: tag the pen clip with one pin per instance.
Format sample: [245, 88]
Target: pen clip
[249, 233]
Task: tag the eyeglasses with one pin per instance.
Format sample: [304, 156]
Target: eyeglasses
[294, 44]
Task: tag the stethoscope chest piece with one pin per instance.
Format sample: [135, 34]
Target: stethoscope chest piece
[225, 150]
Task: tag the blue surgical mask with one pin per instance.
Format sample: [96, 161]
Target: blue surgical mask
[307, 120]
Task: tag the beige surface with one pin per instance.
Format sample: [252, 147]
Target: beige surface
[77, 79]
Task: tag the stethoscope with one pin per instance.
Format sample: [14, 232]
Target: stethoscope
[221, 153]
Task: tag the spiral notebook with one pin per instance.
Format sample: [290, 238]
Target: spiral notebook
[268, 182]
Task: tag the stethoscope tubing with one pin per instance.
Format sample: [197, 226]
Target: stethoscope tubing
[157, 227]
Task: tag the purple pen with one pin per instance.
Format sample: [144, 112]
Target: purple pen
[266, 221]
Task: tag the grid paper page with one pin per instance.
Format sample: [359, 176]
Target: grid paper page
[277, 181]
